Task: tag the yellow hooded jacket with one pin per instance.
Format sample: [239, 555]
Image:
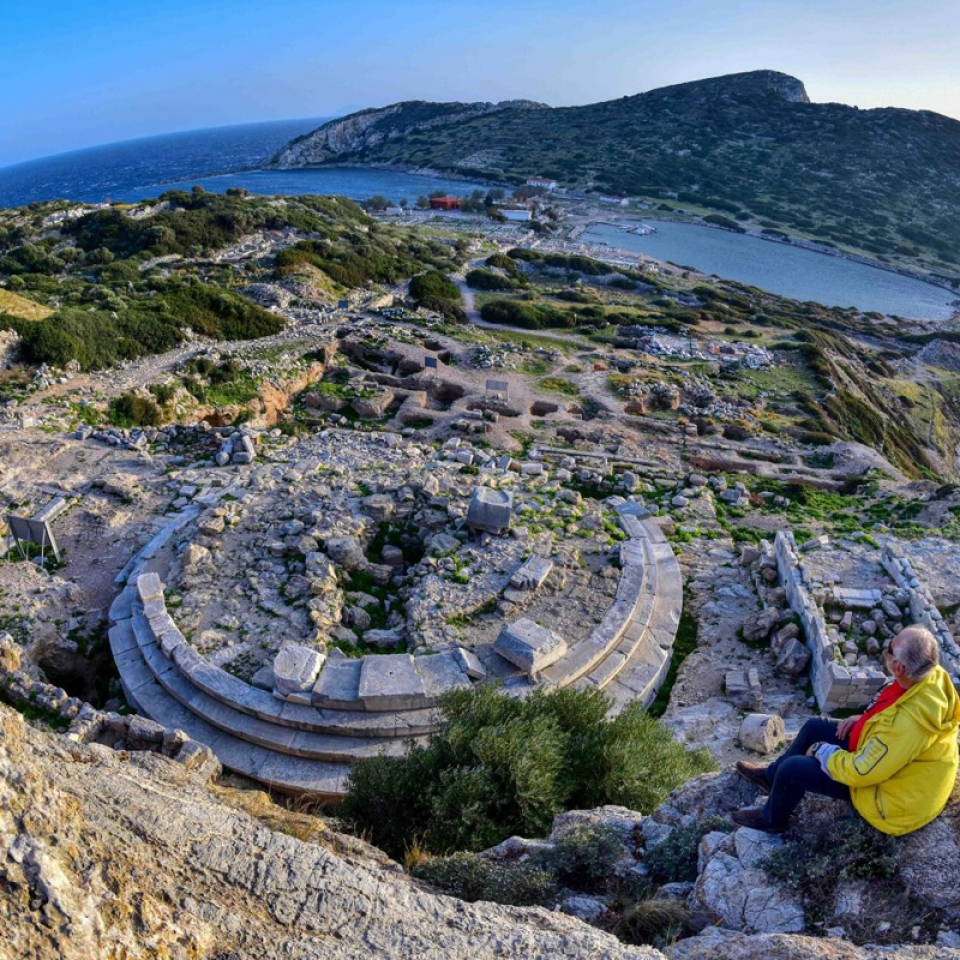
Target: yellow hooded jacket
[903, 772]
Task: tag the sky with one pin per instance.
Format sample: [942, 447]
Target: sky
[75, 73]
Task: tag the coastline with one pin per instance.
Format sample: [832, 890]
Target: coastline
[800, 243]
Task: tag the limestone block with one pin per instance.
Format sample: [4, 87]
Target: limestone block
[762, 732]
[338, 685]
[490, 510]
[296, 669]
[743, 688]
[391, 682]
[149, 587]
[529, 646]
[346, 551]
[470, 664]
[532, 573]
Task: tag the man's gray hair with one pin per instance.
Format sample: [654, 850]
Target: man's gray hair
[917, 650]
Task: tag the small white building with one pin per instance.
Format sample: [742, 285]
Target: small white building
[516, 213]
[615, 201]
[542, 183]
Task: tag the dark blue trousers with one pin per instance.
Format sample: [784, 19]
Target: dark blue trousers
[795, 774]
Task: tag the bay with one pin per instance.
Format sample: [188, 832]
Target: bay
[784, 269]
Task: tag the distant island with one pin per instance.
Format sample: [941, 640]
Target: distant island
[747, 149]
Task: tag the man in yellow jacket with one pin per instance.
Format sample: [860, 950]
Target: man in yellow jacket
[897, 762]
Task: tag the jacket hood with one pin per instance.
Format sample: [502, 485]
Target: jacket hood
[934, 703]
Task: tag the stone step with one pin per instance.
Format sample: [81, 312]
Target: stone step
[285, 773]
[641, 659]
[289, 740]
[642, 675]
[638, 583]
[243, 697]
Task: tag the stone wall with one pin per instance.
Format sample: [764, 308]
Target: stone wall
[923, 610]
[835, 685]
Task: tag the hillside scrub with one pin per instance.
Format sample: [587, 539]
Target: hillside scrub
[142, 326]
[527, 316]
[434, 290]
[502, 766]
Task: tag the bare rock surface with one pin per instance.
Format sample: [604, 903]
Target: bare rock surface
[104, 853]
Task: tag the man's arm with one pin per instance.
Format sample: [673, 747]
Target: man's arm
[885, 753]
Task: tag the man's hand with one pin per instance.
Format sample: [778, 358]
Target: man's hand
[845, 726]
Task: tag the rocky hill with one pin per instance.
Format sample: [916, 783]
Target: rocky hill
[749, 145]
[128, 853]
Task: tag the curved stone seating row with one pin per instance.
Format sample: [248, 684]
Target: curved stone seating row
[628, 652]
[374, 705]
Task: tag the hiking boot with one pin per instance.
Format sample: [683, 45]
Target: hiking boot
[754, 773]
[752, 817]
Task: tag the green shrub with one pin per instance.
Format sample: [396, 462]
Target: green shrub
[582, 859]
[674, 860]
[488, 280]
[132, 410]
[434, 290]
[472, 877]
[502, 765]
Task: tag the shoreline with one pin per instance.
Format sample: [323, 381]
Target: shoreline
[809, 245]
[800, 242]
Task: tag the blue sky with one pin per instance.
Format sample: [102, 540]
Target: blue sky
[74, 73]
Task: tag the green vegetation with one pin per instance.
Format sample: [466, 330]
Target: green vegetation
[17, 306]
[503, 766]
[95, 296]
[674, 860]
[436, 291]
[559, 385]
[133, 410]
[153, 322]
[878, 181]
[848, 849]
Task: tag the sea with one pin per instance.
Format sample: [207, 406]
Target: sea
[216, 159]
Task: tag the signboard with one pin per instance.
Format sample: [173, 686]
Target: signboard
[25, 531]
[430, 363]
[499, 388]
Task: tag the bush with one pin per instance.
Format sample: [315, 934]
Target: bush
[674, 860]
[849, 849]
[527, 316]
[472, 877]
[582, 859]
[488, 280]
[132, 410]
[434, 290]
[502, 766]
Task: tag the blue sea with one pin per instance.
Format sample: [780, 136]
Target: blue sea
[217, 159]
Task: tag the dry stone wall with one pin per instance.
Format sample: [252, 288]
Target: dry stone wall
[835, 685]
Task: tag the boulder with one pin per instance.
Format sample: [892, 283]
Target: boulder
[792, 659]
[762, 732]
[346, 551]
[759, 625]
[733, 889]
[529, 646]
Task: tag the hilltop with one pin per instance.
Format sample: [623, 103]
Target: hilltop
[751, 146]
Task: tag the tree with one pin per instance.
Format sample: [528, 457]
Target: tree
[423, 203]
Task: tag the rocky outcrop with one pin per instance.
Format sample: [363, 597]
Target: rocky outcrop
[127, 852]
[111, 853]
[369, 128]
